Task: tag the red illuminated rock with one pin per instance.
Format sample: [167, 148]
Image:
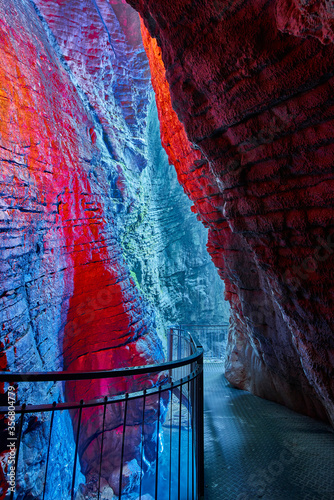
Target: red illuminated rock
[67, 299]
[253, 92]
[306, 19]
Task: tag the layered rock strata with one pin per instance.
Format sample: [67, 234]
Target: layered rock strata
[92, 264]
[162, 244]
[67, 291]
[253, 90]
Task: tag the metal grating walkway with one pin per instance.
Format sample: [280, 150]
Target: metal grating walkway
[258, 449]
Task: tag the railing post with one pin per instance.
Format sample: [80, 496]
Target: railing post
[170, 351]
[170, 345]
[76, 449]
[200, 428]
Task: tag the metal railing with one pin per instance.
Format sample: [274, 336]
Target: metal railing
[213, 339]
[147, 440]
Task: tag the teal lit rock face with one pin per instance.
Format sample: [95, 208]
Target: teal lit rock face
[171, 263]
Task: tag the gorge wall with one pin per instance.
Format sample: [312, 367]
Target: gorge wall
[99, 250]
[252, 84]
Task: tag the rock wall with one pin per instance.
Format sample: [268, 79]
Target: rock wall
[252, 85]
[98, 252]
[186, 287]
[68, 300]
[113, 73]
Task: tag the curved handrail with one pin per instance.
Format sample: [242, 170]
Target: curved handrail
[28, 408]
[99, 374]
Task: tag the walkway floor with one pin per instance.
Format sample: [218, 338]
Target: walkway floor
[258, 449]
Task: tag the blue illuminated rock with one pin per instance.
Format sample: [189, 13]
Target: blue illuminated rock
[98, 251]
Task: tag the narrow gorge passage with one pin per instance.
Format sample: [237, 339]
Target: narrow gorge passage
[100, 251]
[165, 162]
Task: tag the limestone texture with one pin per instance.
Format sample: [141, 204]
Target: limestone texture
[99, 251]
[251, 84]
